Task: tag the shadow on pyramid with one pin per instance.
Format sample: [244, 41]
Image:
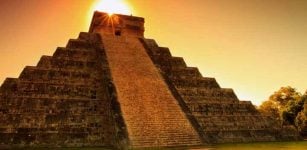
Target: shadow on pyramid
[114, 88]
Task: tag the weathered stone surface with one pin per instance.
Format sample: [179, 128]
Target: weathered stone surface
[66, 100]
[152, 115]
[114, 88]
[220, 115]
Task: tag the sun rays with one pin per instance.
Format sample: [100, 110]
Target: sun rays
[113, 7]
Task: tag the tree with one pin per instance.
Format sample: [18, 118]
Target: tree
[284, 95]
[301, 118]
[291, 110]
[287, 106]
[283, 105]
[270, 108]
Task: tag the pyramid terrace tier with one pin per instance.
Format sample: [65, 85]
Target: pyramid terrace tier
[28, 88]
[49, 62]
[217, 111]
[113, 88]
[35, 73]
[66, 100]
[211, 109]
[182, 82]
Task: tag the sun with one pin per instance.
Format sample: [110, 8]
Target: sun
[113, 7]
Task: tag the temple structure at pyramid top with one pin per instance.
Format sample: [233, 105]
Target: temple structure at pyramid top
[116, 24]
[112, 87]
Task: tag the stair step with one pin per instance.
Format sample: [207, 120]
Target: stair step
[35, 73]
[70, 53]
[49, 62]
[155, 110]
[78, 44]
[197, 82]
[214, 92]
[183, 72]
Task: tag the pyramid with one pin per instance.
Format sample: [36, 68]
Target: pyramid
[111, 87]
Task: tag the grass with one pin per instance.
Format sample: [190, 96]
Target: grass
[300, 145]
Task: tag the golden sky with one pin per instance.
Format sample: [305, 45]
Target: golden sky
[252, 46]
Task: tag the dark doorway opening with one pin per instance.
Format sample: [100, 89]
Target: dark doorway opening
[118, 33]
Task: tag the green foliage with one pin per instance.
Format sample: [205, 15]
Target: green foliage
[291, 110]
[301, 118]
[270, 108]
[285, 95]
[297, 145]
[287, 106]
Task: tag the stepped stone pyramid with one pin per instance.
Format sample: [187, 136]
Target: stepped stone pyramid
[112, 87]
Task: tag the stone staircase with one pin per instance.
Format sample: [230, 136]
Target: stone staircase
[113, 88]
[220, 115]
[152, 115]
[63, 101]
